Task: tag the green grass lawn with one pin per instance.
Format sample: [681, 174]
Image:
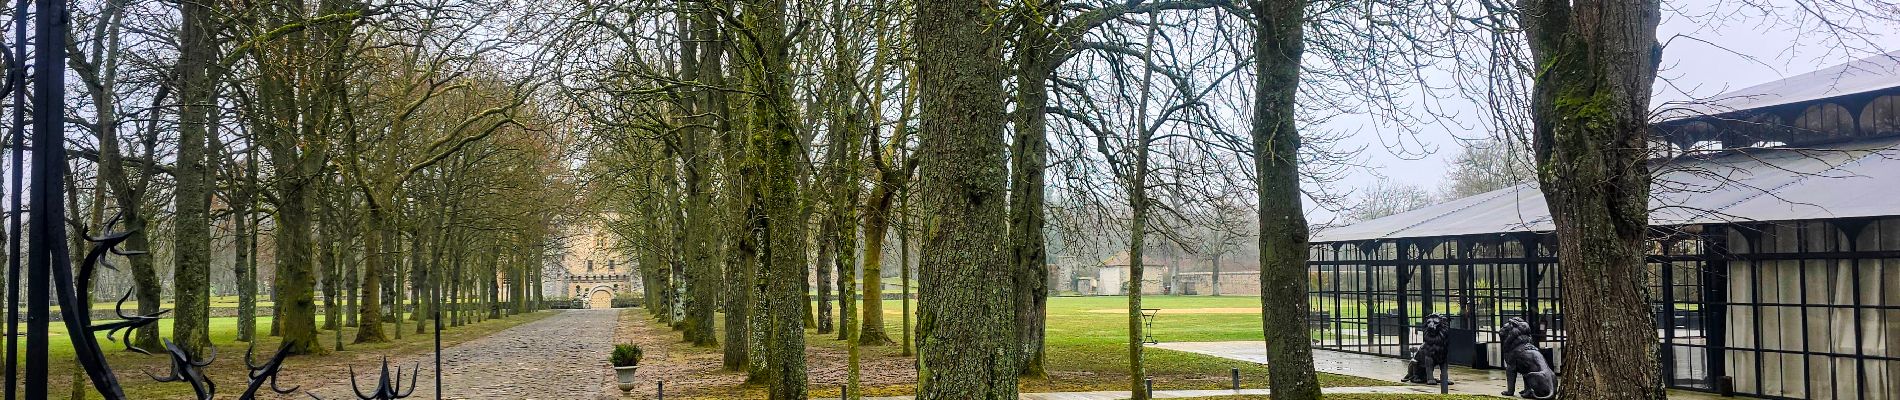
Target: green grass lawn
[1083, 335]
[228, 369]
[216, 302]
[1087, 345]
[1355, 396]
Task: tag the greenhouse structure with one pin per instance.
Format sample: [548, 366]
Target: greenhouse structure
[1774, 252]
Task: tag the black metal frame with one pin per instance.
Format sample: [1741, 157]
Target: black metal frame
[1762, 309]
[1366, 294]
[48, 257]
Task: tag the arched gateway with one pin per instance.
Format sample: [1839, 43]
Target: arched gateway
[600, 297]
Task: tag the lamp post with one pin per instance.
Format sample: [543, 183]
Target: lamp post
[436, 285]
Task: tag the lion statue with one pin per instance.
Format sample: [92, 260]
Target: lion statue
[1521, 357]
[1430, 354]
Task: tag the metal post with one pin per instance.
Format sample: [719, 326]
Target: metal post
[1444, 378]
[1666, 318]
[1149, 385]
[844, 392]
[16, 82]
[1715, 302]
[1235, 373]
[436, 284]
[1405, 279]
[1853, 229]
[660, 391]
[49, 160]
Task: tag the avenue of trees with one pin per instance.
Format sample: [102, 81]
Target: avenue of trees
[771, 160]
[757, 157]
[385, 163]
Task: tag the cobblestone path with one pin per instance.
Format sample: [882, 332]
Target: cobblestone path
[559, 357]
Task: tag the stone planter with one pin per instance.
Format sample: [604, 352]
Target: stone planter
[623, 376]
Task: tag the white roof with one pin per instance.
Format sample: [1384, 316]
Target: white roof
[1858, 76]
[1847, 179]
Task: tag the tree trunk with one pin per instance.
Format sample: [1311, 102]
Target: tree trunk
[969, 347]
[95, 221]
[455, 288]
[699, 61]
[192, 224]
[419, 279]
[1590, 109]
[375, 238]
[296, 303]
[491, 293]
[1215, 276]
[1137, 185]
[327, 263]
[741, 265]
[1029, 150]
[847, 144]
[876, 224]
[130, 199]
[350, 286]
[1283, 232]
[827, 254]
[903, 274]
[742, 257]
[777, 144]
[243, 268]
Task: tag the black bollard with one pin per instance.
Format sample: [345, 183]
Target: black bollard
[661, 391]
[1150, 384]
[844, 392]
[1444, 378]
[1235, 373]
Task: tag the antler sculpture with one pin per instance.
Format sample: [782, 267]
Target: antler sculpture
[267, 372]
[386, 388]
[95, 258]
[75, 303]
[185, 369]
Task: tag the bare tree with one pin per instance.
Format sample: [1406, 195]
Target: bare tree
[1488, 164]
[1387, 197]
[1278, 48]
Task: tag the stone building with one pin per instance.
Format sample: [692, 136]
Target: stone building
[589, 269]
[1161, 275]
[1232, 283]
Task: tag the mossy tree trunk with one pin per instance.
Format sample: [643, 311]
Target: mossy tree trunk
[894, 168]
[244, 266]
[376, 240]
[1278, 46]
[827, 255]
[700, 61]
[969, 342]
[1029, 152]
[1596, 62]
[191, 276]
[778, 147]
[742, 257]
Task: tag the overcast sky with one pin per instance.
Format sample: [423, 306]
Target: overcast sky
[1703, 69]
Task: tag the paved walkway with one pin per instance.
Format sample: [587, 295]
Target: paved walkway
[1466, 380]
[1178, 394]
[559, 357]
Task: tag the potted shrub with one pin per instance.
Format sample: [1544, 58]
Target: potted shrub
[626, 359]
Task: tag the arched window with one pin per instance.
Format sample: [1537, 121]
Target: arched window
[1827, 119]
[1882, 116]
